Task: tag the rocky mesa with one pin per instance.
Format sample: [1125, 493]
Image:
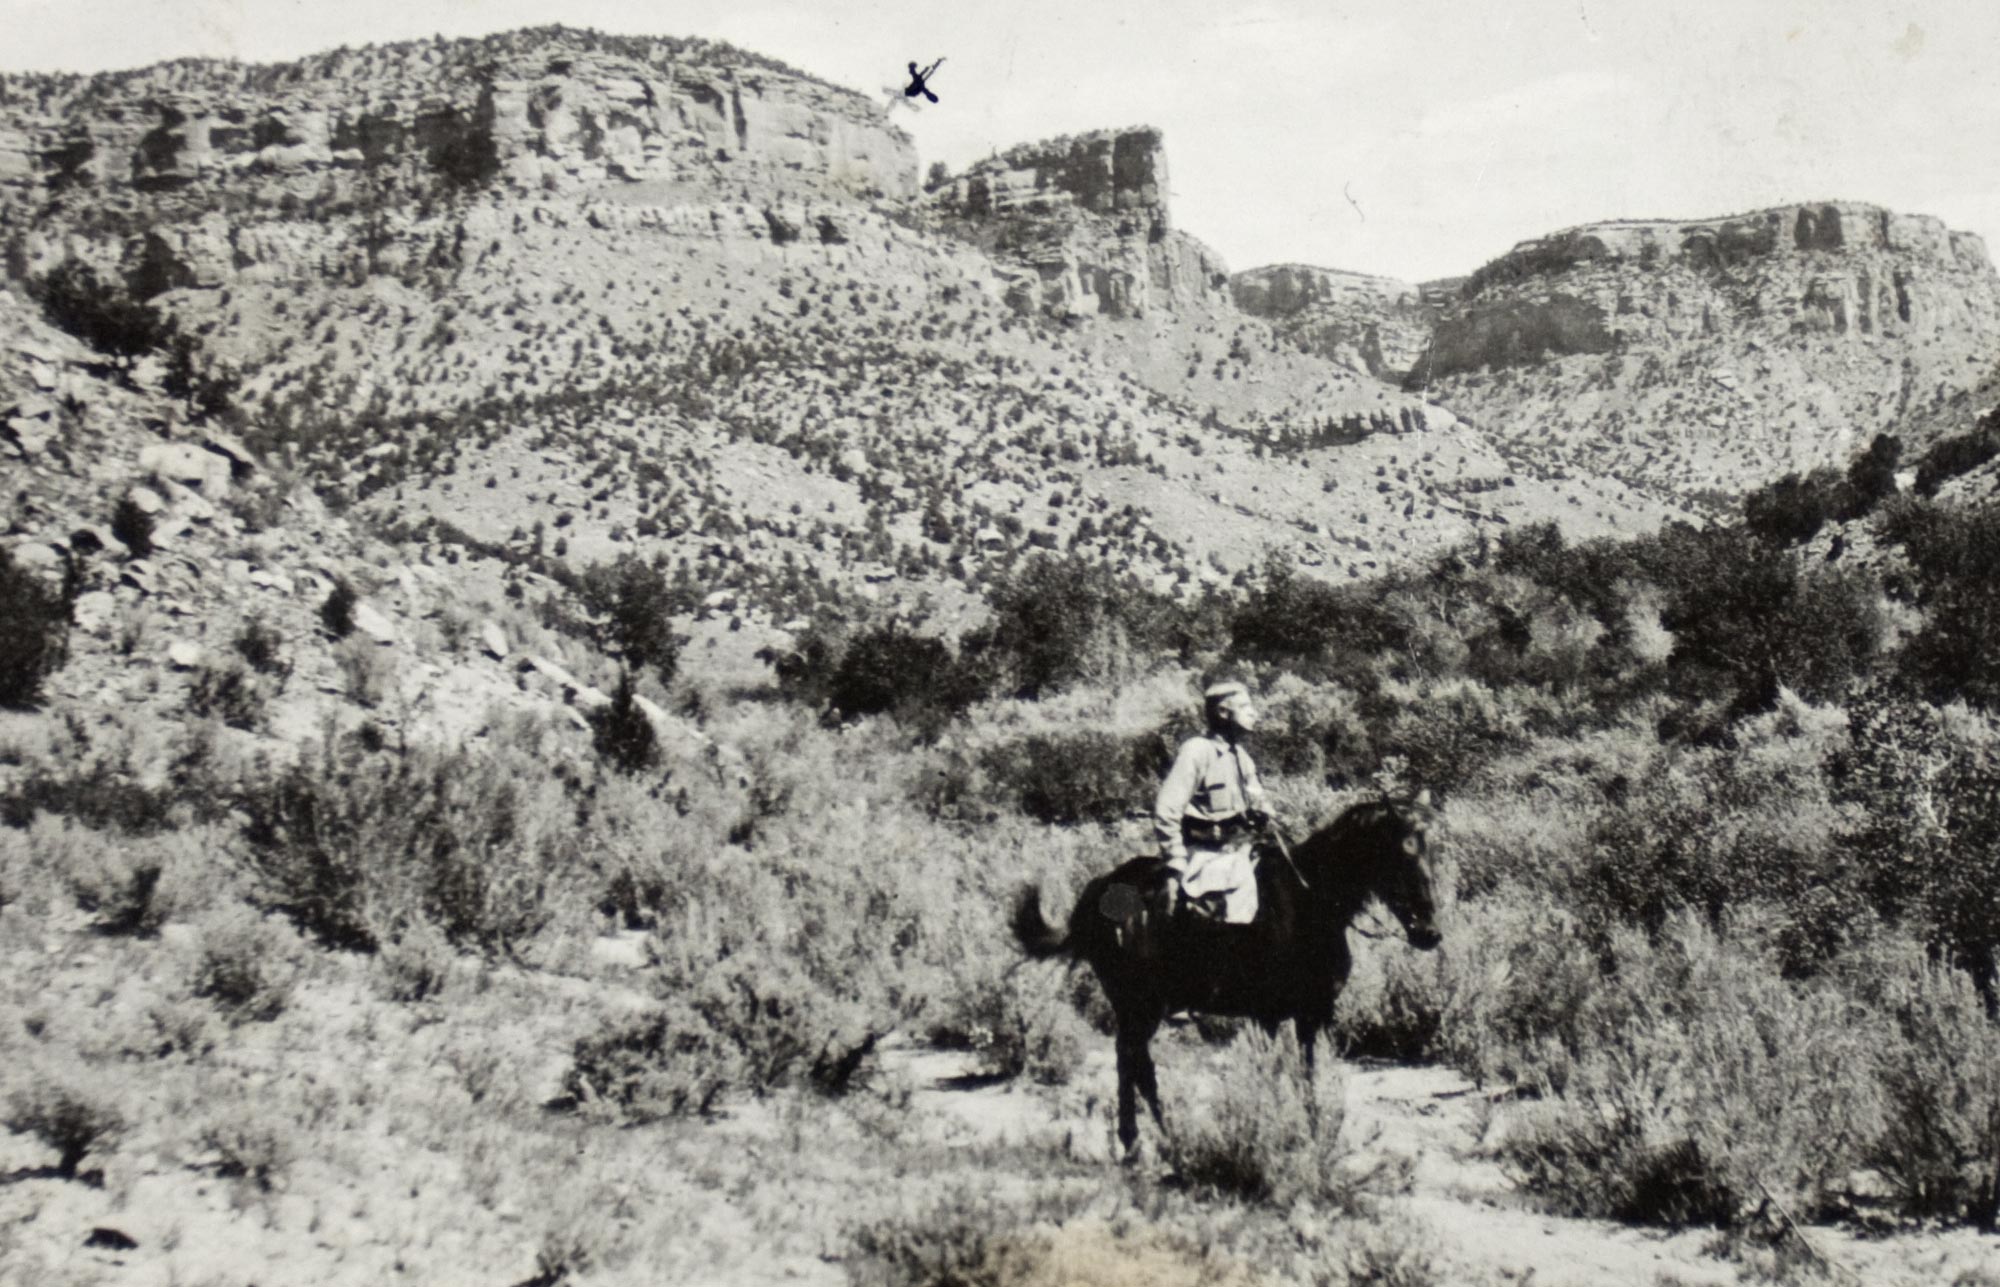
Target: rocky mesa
[537, 112]
[1083, 223]
[1369, 323]
[1691, 358]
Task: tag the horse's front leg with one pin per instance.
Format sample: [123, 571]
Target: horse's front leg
[1136, 1075]
[1149, 1084]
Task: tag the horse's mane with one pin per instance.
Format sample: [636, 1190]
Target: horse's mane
[1358, 833]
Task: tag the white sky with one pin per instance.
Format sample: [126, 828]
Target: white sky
[1415, 138]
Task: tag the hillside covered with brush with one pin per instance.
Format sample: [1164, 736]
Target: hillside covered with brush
[553, 598]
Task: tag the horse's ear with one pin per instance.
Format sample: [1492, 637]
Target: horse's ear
[1423, 798]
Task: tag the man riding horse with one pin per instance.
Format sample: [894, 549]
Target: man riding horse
[1209, 811]
[1291, 962]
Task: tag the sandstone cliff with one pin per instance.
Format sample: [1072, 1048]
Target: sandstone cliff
[1082, 223]
[551, 110]
[1707, 356]
[1374, 324]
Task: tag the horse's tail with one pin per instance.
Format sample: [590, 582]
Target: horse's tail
[1037, 937]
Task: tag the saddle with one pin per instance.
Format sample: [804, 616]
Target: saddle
[1154, 895]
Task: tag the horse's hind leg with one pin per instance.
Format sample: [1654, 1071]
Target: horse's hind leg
[1128, 1106]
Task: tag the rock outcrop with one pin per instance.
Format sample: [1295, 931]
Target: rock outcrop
[1711, 355]
[1839, 269]
[540, 111]
[1083, 223]
[1374, 324]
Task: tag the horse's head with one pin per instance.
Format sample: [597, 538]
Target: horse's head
[1407, 880]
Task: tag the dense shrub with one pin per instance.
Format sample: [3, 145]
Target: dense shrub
[888, 668]
[1947, 458]
[1392, 1007]
[1718, 833]
[1019, 1024]
[981, 1236]
[243, 967]
[72, 1120]
[1923, 789]
[659, 1065]
[231, 694]
[1702, 1085]
[34, 632]
[262, 646]
[1954, 557]
[1062, 621]
[1516, 986]
[130, 886]
[1310, 731]
[100, 313]
[354, 845]
[1939, 1148]
[735, 1031]
[1747, 620]
[106, 794]
[1089, 776]
[1446, 732]
[1793, 509]
[1269, 1130]
[205, 388]
[1312, 628]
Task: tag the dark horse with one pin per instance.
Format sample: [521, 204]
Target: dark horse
[1290, 964]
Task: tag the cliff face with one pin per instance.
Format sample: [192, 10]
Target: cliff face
[541, 112]
[1083, 226]
[1835, 270]
[1714, 354]
[1374, 324]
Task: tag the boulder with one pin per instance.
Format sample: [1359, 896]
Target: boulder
[30, 435]
[39, 557]
[94, 612]
[148, 500]
[373, 624]
[191, 506]
[493, 639]
[90, 539]
[241, 463]
[185, 654]
[186, 463]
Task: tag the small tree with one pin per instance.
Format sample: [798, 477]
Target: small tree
[133, 527]
[205, 389]
[34, 629]
[337, 613]
[621, 732]
[634, 606]
[100, 314]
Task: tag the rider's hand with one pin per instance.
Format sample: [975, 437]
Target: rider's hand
[1258, 819]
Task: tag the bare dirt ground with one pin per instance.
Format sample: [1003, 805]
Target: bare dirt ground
[1487, 1229]
[415, 1143]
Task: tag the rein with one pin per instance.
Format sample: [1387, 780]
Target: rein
[1379, 932]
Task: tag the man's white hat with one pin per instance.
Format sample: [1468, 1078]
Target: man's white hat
[1220, 696]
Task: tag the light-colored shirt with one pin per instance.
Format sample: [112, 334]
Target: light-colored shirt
[1211, 780]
